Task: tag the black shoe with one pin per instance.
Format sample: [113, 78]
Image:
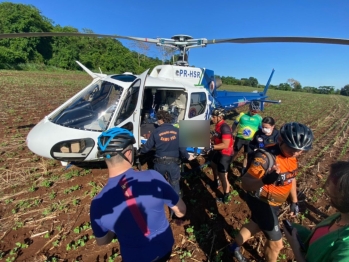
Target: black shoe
[233, 249]
[225, 199]
[239, 257]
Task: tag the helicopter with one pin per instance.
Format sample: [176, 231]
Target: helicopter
[127, 100]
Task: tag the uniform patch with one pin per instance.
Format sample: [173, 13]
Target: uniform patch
[259, 139]
[259, 161]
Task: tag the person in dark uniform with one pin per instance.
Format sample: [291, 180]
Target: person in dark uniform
[222, 152]
[267, 136]
[168, 154]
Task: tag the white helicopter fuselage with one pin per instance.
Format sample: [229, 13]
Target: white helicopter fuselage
[70, 132]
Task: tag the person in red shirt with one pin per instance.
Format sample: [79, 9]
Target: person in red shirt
[222, 152]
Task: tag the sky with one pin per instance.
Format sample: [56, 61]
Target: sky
[310, 64]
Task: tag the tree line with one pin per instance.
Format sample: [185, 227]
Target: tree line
[105, 53]
[290, 85]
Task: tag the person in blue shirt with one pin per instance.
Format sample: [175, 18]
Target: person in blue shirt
[168, 153]
[131, 204]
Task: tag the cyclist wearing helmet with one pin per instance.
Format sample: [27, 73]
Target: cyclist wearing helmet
[270, 180]
[247, 124]
[131, 204]
[222, 152]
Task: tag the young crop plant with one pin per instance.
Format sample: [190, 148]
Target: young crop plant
[95, 189]
[46, 183]
[72, 189]
[52, 195]
[113, 257]
[76, 202]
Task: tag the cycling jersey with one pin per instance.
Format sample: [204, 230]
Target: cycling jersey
[248, 125]
[223, 131]
[277, 193]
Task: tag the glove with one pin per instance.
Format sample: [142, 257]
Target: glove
[270, 178]
[294, 208]
[207, 149]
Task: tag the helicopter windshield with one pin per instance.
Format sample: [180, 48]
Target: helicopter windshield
[93, 109]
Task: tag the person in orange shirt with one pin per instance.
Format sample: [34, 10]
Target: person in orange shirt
[269, 181]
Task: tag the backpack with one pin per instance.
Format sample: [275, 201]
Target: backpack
[270, 158]
[271, 161]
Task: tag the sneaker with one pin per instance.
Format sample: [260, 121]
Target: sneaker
[239, 257]
[235, 250]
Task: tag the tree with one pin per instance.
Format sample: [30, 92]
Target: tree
[326, 89]
[16, 18]
[345, 90]
[285, 86]
[296, 86]
[253, 81]
[142, 49]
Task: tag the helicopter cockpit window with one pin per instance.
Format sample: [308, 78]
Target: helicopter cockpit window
[93, 109]
[198, 103]
[129, 104]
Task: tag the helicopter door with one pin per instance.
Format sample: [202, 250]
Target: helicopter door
[197, 106]
[129, 115]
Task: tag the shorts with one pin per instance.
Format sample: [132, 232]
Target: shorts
[239, 142]
[222, 162]
[265, 216]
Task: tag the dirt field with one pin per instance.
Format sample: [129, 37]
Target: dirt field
[44, 207]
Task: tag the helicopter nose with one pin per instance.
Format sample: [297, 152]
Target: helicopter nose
[62, 143]
[38, 141]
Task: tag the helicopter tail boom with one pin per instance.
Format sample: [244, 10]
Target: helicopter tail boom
[267, 85]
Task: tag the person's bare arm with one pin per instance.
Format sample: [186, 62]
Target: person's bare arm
[105, 240]
[180, 208]
[223, 145]
[293, 192]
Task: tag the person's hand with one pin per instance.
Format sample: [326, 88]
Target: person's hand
[271, 176]
[292, 239]
[209, 148]
[294, 208]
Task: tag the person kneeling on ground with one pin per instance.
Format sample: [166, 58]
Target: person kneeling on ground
[131, 204]
[329, 241]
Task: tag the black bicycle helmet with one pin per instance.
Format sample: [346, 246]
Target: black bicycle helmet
[297, 136]
[218, 112]
[255, 106]
[114, 141]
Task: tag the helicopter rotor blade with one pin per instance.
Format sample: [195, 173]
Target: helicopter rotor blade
[43, 34]
[190, 42]
[283, 39]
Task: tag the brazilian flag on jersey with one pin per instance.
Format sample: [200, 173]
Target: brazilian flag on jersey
[248, 125]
